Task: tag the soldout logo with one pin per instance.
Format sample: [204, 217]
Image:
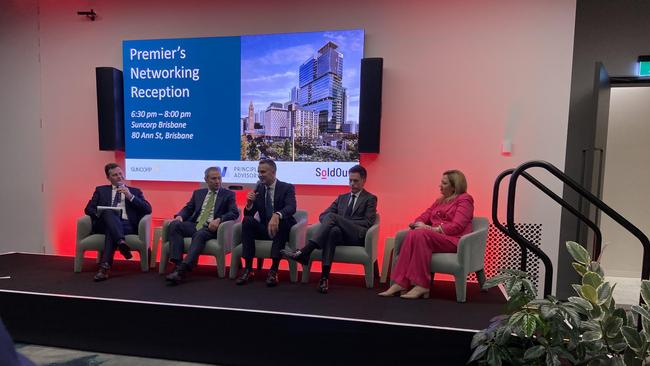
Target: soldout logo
[141, 169]
[325, 173]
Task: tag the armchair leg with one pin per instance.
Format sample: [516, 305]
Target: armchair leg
[78, 261]
[461, 287]
[293, 271]
[235, 264]
[480, 276]
[370, 278]
[260, 264]
[221, 265]
[144, 260]
[305, 273]
[164, 258]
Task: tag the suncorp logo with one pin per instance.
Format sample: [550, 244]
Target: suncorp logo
[141, 169]
[331, 172]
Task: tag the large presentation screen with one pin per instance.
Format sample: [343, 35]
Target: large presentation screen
[190, 103]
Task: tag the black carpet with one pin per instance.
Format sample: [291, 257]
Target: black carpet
[348, 297]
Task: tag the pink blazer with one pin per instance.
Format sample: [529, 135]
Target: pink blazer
[454, 216]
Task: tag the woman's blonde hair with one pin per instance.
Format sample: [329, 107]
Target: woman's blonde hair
[457, 181]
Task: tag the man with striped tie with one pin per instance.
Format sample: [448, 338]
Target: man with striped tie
[130, 206]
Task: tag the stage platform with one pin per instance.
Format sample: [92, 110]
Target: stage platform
[211, 320]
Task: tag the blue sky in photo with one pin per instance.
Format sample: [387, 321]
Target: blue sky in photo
[270, 65]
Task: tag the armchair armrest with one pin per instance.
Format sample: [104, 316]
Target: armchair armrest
[144, 230]
[298, 234]
[372, 235]
[311, 231]
[84, 227]
[225, 235]
[399, 239]
[165, 227]
[471, 250]
[236, 234]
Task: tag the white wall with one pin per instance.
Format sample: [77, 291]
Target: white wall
[459, 77]
[21, 196]
[626, 183]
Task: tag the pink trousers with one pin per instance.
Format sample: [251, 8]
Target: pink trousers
[414, 262]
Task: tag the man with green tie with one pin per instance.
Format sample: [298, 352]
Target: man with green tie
[200, 219]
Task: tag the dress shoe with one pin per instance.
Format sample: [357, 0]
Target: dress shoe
[176, 277]
[416, 293]
[102, 272]
[124, 250]
[272, 278]
[296, 255]
[246, 276]
[393, 290]
[323, 285]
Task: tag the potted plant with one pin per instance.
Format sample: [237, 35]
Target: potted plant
[588, 329]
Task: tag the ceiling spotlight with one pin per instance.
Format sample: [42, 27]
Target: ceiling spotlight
[89, 14]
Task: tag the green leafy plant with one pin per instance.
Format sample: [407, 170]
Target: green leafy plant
[588, 329]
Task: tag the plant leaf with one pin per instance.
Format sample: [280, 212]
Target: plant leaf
[534, 352]
[493, 357]
[529, 324]
[589, 293]
[578, 252]
[581, 302]
[631, 359]
[576, 288]
[641, 311]
[612, 326]
[478, 338]
[592, 335]
[496, 280]
[632, 337]
[604, 293]
[592, 278]
[478, 353]
[580, 268]
[552, 359]
[595, 267]
[645, 291]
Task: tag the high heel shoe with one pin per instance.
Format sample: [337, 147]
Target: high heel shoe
[394, 290]
[416, 293]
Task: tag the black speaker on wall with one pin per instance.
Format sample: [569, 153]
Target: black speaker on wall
[370, 104]
[110, 108]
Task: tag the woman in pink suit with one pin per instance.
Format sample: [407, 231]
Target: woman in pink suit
[437, 230]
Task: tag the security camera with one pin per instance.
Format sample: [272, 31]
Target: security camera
[89, 14]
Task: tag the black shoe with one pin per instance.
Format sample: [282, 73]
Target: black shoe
[272, 279]
[102, 272]
[125, 250]
[175, 277]
[246, 276]
[323, 285]
[297, 256]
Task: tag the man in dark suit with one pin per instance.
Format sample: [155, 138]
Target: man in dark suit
[275, 202]
[200, 219]
[346, 221]
[115, 224]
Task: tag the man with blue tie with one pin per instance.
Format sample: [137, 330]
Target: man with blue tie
[275, 202]
[346, 221]
[200, 219]
[130, 206]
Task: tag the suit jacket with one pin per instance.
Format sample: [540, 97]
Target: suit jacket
[284, 202]
[135, 209]
[364, 214]
[225, 206]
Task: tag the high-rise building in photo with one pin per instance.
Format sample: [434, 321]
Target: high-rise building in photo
[320, 87]
[277, 122]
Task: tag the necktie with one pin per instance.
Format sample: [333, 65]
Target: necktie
[116, 200]
[348, 212]
[205, 212]
[268, 204]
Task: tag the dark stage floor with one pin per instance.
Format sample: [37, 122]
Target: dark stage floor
[348, 297]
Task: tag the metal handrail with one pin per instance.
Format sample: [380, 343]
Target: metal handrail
[645, 272]
[598, 237]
